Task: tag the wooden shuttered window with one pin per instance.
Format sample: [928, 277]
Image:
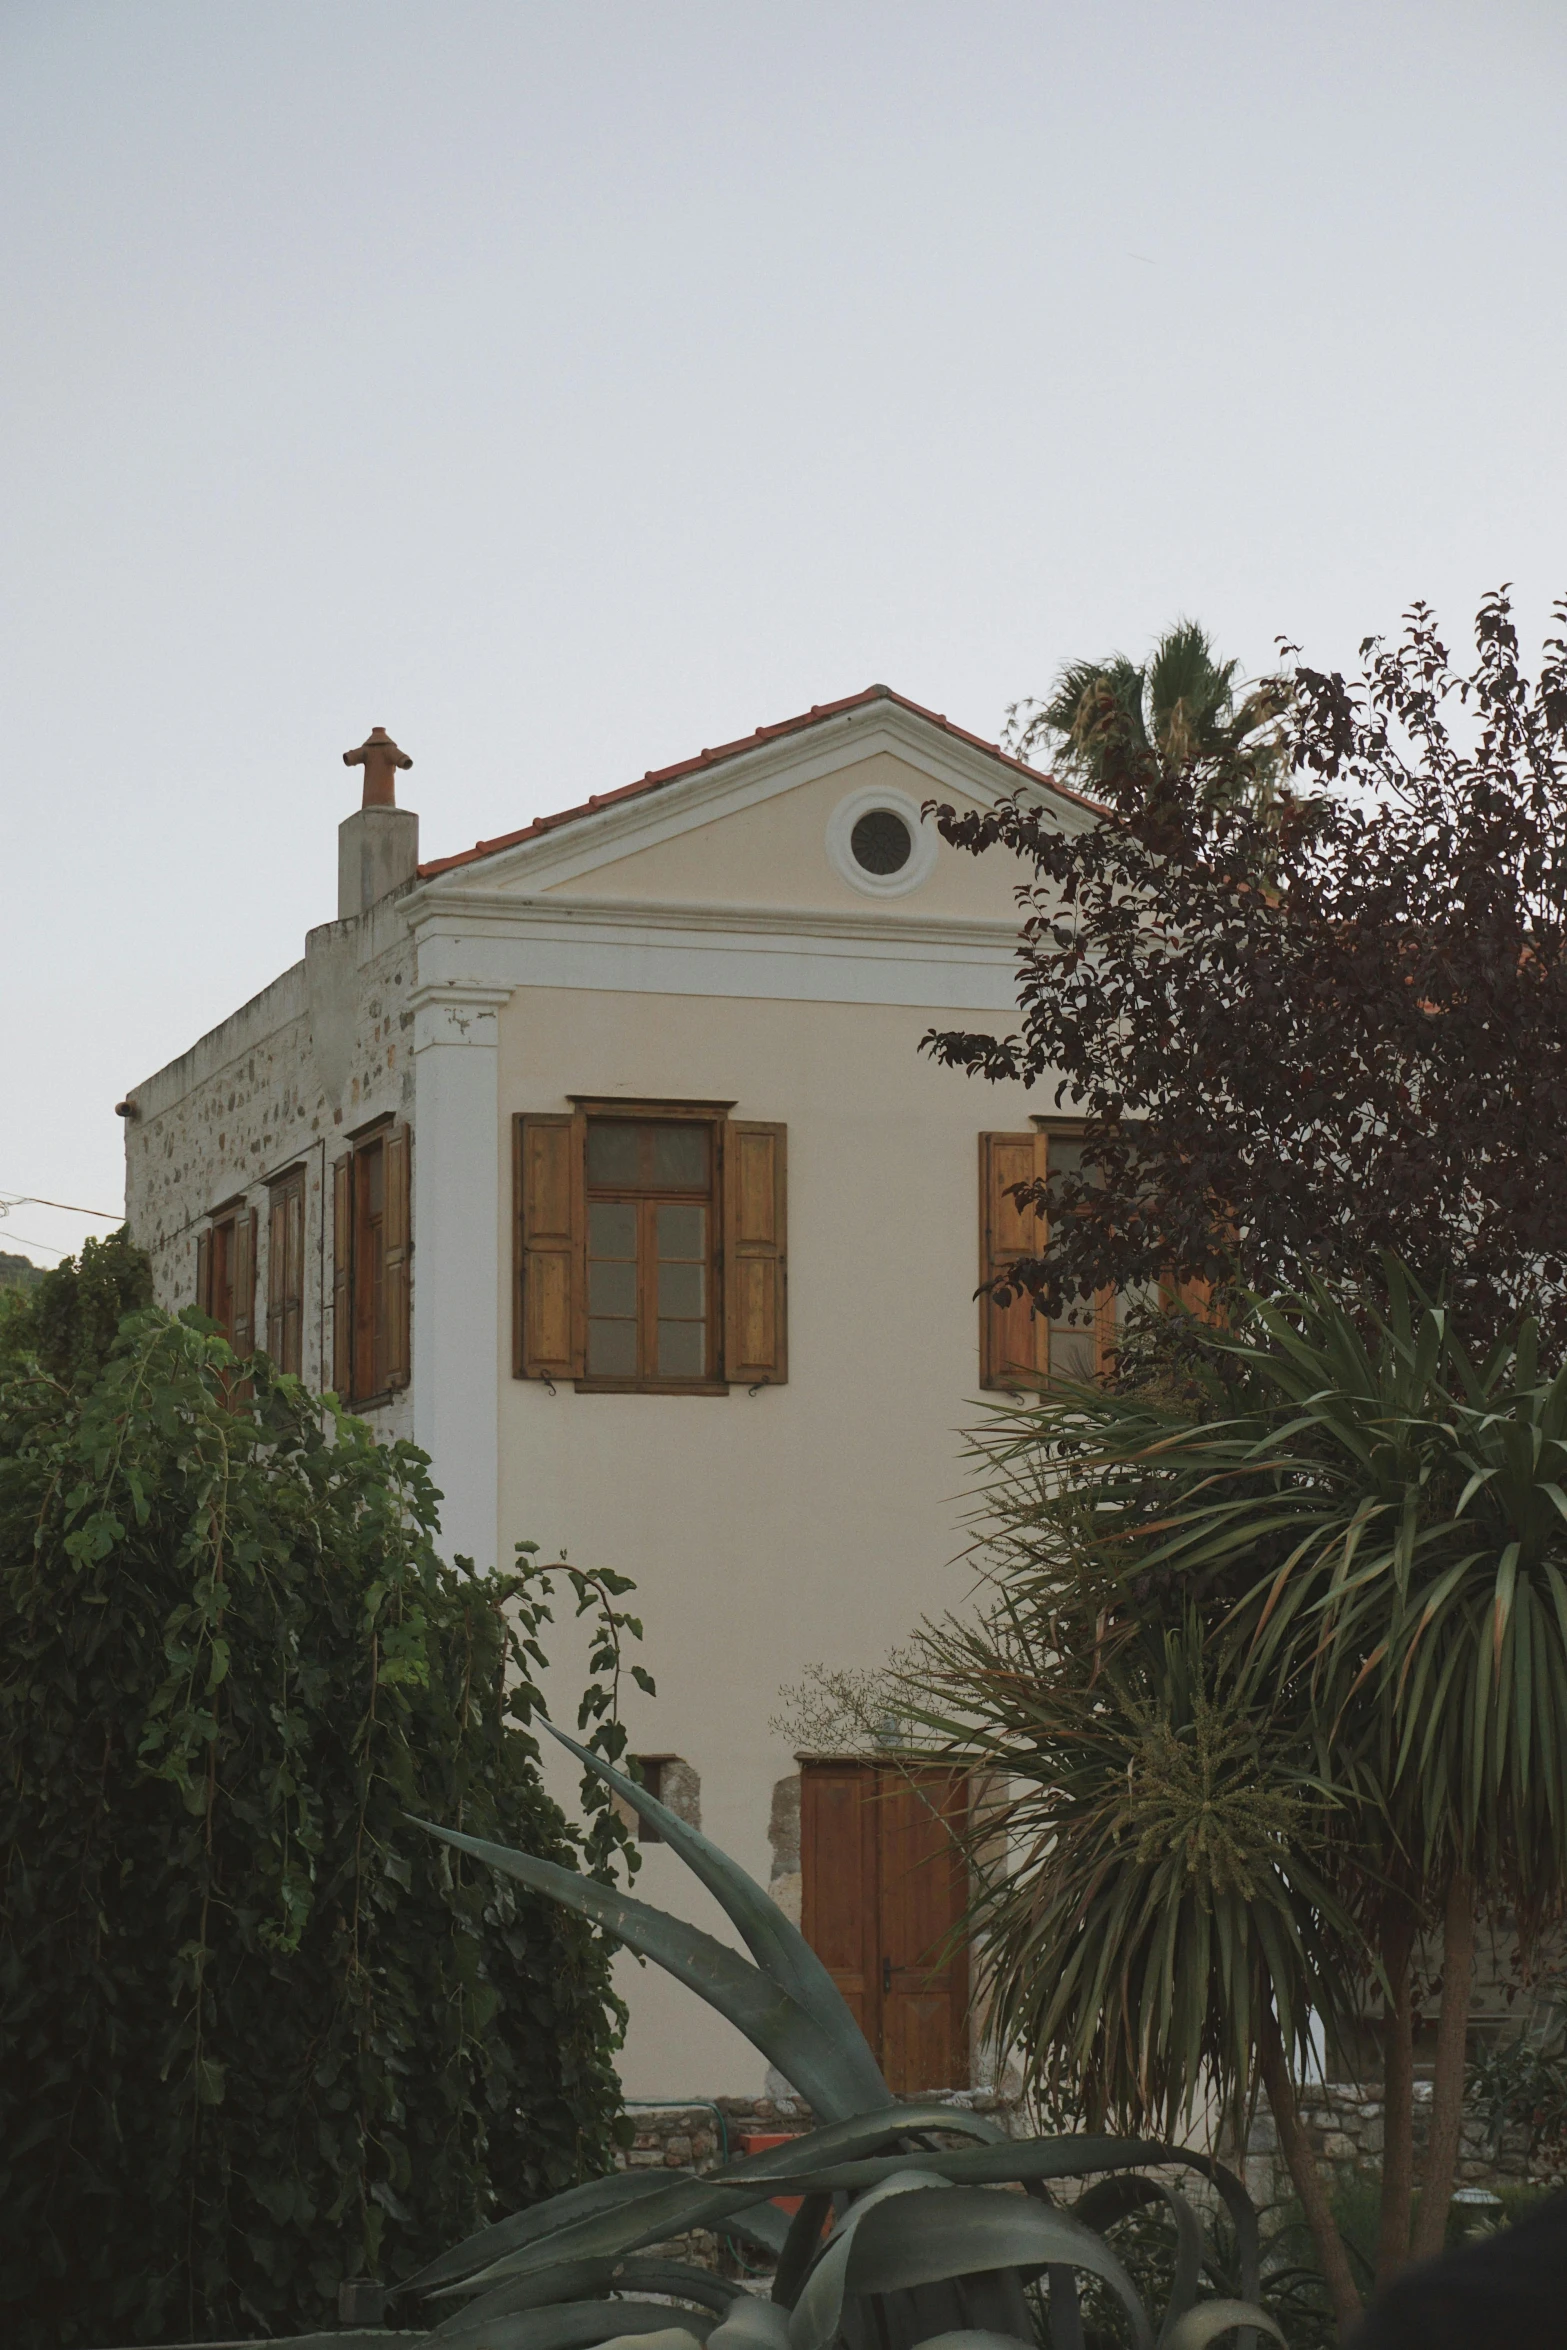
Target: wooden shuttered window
[756, 1323]
[226, 1275]
[1014, 1342]
[597, 1279]
[286, 1271]
[1017, 1347]
[372, 1248]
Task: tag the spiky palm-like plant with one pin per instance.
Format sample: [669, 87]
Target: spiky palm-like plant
[1157, 1933]
[1372, 1528]
[1103, 721]
[901, 2241]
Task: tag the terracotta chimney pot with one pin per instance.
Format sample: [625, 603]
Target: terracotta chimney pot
[380, 758]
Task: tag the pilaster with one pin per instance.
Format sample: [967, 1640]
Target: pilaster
[457, 1256]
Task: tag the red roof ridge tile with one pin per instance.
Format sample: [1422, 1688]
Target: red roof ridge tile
[656, 777]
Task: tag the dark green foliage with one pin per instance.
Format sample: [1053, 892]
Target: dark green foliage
[18, 1272]
[258, 2032]
[1308, 1033]
[77, 1309]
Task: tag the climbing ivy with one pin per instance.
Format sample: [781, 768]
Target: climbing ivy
[257, 2032]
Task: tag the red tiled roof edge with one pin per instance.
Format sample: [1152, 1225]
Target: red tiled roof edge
[657, 777]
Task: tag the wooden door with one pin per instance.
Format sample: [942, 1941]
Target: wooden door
[883, 1887]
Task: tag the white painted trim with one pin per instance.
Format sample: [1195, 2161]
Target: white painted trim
[604, 835]
[648, 951]
[458, 1276]
[920, 863]
[456, 914]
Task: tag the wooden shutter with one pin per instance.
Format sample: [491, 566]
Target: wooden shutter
[1106, 1333]
[277, 1262]
[244, 1246]
[286, 1273]
[397, 1243]
[342, 1277]
[1014, 1341]
[547, 1316]
[204, 1271]
[755, 1264]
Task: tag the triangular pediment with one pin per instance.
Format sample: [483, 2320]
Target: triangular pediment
[769, 823]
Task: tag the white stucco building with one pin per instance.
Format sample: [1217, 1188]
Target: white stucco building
[602, 1159]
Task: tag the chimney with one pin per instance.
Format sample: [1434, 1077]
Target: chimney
[378, 846]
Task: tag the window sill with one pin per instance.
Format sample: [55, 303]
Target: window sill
[651, 1386]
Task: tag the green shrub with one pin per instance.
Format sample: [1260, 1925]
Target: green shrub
[257, 2033]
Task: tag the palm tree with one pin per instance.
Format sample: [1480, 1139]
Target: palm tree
[1105, 720]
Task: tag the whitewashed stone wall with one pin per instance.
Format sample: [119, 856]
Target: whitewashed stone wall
[324, 1049]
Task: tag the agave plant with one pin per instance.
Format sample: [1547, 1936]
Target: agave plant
[903, 2240]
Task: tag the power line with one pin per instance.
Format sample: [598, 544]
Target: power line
[47, 1245]
[30, 1199]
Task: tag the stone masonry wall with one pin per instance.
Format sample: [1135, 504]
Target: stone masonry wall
[323, 1050]
[1345, 2126]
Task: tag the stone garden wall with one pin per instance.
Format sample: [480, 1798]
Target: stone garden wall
[1345, 2124]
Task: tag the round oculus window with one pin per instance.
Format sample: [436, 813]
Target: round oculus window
[880, 842]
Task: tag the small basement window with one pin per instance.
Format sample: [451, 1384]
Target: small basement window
[672, 1782]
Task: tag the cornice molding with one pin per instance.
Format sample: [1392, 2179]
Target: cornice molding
[624, 921]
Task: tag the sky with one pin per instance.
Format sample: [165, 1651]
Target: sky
[570, 386]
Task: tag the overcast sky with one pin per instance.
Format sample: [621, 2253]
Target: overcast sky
[569, 386]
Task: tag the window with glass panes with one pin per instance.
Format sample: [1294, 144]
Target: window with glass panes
[649, 1251]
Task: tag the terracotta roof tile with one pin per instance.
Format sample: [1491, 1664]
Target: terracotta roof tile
[657, 777]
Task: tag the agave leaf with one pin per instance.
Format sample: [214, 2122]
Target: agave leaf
[583, 2280]
[778, 1947]
[579, 2280]
[1210, 2319]
[345, 2337]
[1114, 2198]
[480, 2251]
[670, 2338]
[814, 2319]
[836, 2079]
[761, 2224]
[669, 2206]
[577, 2325]
[684, 2280]
[956, 2231]
[1016, 2161]
[974, 2338]
[805, 2235]
[752, 2324]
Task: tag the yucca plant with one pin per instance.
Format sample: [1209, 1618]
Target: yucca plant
[1370, 1527]
[1157, 1931]
[902, 2240]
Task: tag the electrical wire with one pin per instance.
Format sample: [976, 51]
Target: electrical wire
[30, 1199]
[46, 1245]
